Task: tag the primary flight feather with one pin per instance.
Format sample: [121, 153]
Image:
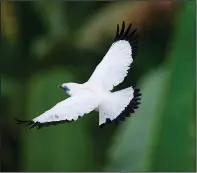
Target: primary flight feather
[95, 94]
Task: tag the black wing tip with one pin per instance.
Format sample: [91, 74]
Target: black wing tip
[130, 109]
[39, 125]
[25, 122]
[128, 35]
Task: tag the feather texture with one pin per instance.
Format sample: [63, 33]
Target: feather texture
[114, 67]
[65, 111]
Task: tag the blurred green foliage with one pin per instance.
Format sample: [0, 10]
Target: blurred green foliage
[167, 113]
[48, 43]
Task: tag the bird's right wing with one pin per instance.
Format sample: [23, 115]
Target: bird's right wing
[113, 68]
[65, 111]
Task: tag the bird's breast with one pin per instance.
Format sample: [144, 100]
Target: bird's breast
[95, 91]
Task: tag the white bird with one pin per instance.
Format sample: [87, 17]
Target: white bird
[96, 93]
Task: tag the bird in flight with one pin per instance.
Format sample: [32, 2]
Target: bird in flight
[96, 94]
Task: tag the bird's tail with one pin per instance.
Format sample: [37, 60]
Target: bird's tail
[118, 105]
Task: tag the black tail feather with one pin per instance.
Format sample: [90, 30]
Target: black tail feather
[129, 110]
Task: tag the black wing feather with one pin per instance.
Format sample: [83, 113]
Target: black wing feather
[39, 125]
[122, 31]
[129, 36]
[128, 110]
[117, 32]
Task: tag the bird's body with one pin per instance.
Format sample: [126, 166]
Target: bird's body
[96, 93]
[77, 89]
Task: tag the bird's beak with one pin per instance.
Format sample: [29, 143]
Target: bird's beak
[60, 86]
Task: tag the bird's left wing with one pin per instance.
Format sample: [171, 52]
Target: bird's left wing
[113, 68]
[67, 110]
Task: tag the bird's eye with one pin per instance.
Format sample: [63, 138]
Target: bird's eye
[66, 88]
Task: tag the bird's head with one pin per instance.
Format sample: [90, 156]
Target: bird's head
[69, 88]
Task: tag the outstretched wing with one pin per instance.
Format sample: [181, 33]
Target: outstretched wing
[65, 111]
[115, 65]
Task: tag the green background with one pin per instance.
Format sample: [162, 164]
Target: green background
[46, 43]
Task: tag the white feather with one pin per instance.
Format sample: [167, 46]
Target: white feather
[113, 68]
[113, 105]
[69, 109]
